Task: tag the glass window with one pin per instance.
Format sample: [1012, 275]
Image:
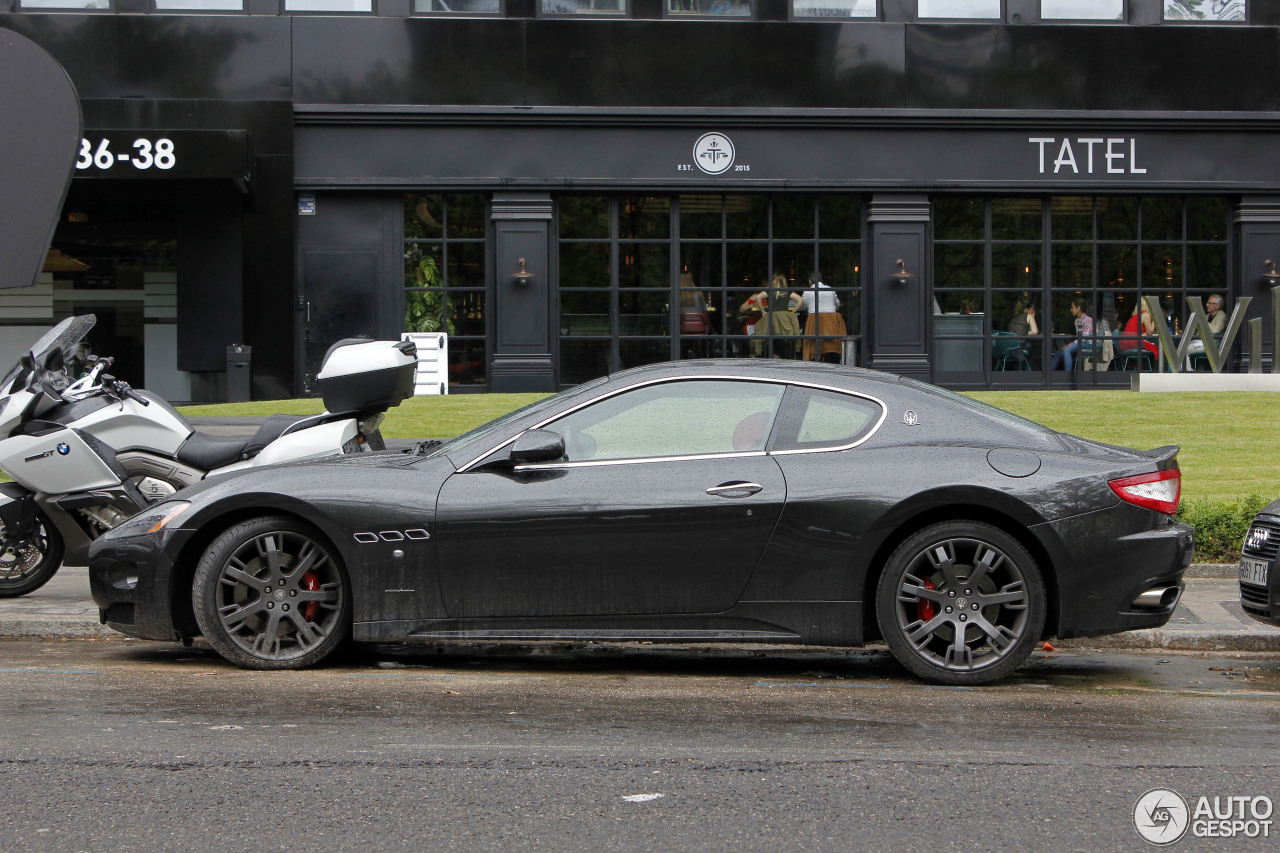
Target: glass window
[715, 8]
[444, 277]
[673, 419]
[1204, 10]
[200, 5]
[960, 8]
[833, 8]
[328, 5]
[583, 7]
[815, 420]
[1081, 10]
[705, 276]
[64, 4]
[458, 7]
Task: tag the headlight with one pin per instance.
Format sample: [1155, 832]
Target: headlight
[150, 520]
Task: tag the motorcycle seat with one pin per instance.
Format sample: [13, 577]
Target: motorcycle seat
[208, 452]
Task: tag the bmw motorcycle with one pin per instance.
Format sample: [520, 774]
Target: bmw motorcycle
[86, 453]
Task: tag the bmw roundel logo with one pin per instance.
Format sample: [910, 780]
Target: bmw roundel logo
[63, 448]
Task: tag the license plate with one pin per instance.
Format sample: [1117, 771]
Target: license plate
[1253, 571]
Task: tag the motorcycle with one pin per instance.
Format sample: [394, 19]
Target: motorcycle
[85, 453]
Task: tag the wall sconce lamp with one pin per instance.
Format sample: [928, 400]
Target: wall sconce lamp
[523, 276]
[902, 276]
[1270, 276]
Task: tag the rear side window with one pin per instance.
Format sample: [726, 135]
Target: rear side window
[814, 419]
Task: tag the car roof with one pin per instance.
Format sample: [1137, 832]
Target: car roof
[759, 367]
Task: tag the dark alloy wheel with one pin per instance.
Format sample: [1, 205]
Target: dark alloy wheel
[961, 603]
[28, 563]
[270, 594]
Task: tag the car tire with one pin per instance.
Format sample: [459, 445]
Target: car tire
[28, 565]
[961, 603]
[271, 593]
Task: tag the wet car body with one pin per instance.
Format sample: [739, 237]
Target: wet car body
[1259, 579]
[783, 543]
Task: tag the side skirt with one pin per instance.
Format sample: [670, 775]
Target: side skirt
[836, 623]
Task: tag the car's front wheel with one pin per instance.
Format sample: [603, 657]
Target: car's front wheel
[961, 602]
[270, 594]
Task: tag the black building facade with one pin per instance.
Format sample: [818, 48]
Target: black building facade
[535, 180]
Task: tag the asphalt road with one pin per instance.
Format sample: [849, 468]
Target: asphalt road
[111, 745]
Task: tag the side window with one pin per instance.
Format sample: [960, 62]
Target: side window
[683, 418]
[817, 420]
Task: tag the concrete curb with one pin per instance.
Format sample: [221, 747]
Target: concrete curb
[1177, 641]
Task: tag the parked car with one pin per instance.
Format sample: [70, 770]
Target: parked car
[731, 501]
[1259, 586]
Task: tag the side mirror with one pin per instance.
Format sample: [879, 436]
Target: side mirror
[537, 445]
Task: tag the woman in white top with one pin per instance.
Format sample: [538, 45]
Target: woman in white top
[824, 326]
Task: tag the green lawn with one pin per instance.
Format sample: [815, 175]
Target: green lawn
[1230, 441]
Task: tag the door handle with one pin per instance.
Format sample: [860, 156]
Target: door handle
[735, 490]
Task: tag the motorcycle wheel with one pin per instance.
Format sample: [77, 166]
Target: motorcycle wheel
[27, 565]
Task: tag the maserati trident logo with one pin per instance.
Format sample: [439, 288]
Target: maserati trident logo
[713, 152]
[1257, 539]
[910, 418]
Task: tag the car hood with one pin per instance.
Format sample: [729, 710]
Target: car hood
[268, 476]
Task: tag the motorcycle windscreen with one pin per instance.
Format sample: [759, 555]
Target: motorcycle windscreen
[64, 336]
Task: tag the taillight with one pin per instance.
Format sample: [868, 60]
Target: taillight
[1159, 491]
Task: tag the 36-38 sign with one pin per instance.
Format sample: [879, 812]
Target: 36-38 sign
[143, 154]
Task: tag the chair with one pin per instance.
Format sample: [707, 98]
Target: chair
[1006, 346]
[1141, 355]
[1098, 349]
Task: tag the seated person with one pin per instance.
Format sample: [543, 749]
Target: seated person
[1132, 338]
[1064, 359]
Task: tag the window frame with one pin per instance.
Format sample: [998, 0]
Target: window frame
[490, 455]
[668, 15]
[501, 13]
[1123, 18]
[792, 16]
[628, 8]
[1000, 16]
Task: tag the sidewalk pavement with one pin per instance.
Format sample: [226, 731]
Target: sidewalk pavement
[1208, 618]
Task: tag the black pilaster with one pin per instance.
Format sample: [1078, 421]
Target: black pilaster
[900, 310]
[1258, 232]
[522, 323]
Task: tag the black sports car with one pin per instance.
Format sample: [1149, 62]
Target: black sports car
[1259, 578]
[739, 501]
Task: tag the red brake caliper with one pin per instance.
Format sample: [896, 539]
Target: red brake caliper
[310, 583]
[927, 608]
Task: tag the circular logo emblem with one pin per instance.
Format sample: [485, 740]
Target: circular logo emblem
[910, 418]
[1161, 816]
[713, 152]
[64, 448]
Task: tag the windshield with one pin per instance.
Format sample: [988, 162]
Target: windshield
[64, 336]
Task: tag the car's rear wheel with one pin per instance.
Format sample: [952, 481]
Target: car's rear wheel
[269, 593]
[961, 602]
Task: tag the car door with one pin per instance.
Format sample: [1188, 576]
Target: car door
[663, 504]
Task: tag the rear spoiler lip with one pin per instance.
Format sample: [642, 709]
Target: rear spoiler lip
[1166, 457]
